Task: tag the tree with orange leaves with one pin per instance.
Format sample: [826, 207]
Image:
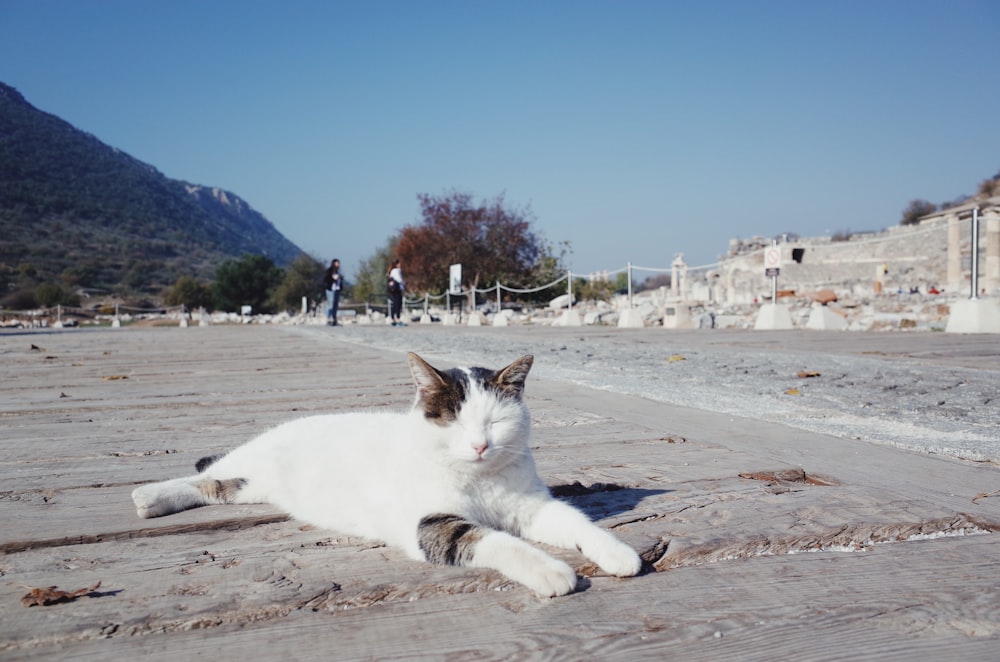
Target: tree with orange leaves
[491, 240]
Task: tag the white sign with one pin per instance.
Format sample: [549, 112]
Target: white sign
[455, 279]
[772, 257]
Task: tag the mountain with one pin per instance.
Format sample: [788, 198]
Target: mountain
[77, 211]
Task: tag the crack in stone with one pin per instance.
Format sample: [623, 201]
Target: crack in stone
[846, 538]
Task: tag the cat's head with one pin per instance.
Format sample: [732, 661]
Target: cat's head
[479, 413]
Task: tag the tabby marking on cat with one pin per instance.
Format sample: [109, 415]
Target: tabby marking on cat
[452, 481]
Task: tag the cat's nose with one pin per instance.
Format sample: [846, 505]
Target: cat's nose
[480, 447]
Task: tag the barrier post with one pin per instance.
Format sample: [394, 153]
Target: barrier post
[569, 289]
[629, 276]
[425, 318]
[975, 314]
[630, 317]
[975, 254]
[499, 319]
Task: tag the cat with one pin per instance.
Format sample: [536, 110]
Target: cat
[451, 482]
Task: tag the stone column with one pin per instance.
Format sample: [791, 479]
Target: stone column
[676, 288]
[991, 273]
[954, 254]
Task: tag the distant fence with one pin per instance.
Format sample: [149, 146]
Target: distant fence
[59, 316]
[491, 296]
[495, 292]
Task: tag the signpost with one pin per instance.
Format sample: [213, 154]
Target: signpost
[772, 316]
[772, 267]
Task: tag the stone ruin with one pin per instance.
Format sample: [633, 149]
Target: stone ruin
[903, 277]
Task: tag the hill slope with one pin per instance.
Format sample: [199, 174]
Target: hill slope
[89, 215]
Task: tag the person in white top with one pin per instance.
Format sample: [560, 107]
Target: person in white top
[396, 285]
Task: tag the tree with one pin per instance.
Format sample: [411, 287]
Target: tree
[303, 278]
[593, 289]
[247, 281]
[548, 268]
[491, 241]
[989, 188]
[916, 210]
[53, 294]
[371, 274]
[190, 292]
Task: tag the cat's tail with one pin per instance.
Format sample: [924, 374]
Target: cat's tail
[173, 496]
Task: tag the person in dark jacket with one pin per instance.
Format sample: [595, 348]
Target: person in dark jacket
[332, 282]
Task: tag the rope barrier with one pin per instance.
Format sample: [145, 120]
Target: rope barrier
[494, 290]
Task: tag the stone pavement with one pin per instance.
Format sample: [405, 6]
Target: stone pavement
[762, 541]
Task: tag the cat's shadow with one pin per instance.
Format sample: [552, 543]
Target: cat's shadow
[602, 500]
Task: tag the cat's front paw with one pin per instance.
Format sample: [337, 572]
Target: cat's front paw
[618, 559]
[551, 578]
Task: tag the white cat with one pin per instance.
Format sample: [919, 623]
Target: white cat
[452, 481]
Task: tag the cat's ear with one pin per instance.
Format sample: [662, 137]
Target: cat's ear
[515, 374]
[426, 377]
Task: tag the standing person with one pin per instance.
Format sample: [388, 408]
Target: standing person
[332, 282]
[396, 285]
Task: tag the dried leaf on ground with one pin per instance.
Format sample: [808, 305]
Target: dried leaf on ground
[52, 595]
[674, 358]
[793, 391]
[983, 495]
[795, 475]
[114, 377]
[806, 374]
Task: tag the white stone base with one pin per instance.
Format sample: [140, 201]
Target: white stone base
[822, 318]
[499, 320]
[974, 316]
[449, 319]
[475, 319]
[569, 318]
[773, 316]
[630, 318]
[426, 319]
[677, 316]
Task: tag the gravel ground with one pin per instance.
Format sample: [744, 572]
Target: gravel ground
[927, 392]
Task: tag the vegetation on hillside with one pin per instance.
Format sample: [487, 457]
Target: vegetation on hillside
[918, 208]
[76, 213]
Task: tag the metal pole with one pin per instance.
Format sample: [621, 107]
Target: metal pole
[498, 298]
[774, 280]
[975, 254]
[569, 289]
[629, 272]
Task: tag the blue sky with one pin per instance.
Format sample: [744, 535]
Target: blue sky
[633, 130]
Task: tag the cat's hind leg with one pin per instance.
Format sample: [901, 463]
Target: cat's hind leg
[173, 496]
[454, 540]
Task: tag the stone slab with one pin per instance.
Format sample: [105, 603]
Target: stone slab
[763, 542]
